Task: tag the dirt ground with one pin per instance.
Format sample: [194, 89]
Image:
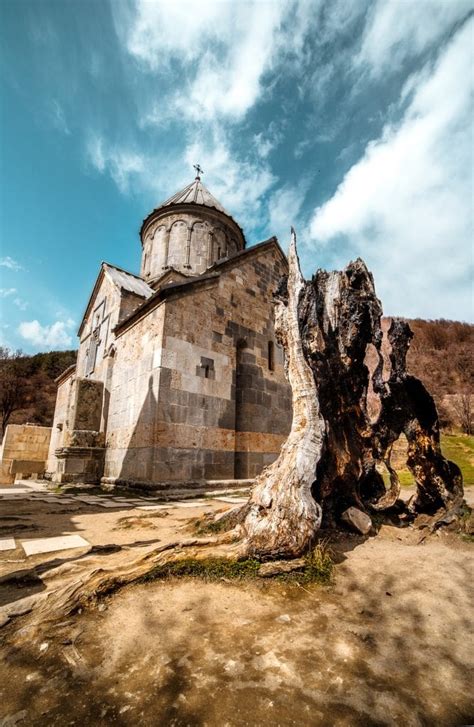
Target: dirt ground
[388, 643]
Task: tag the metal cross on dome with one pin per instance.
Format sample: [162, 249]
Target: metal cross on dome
[199, 170]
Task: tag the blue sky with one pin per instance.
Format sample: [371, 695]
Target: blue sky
[351, 121]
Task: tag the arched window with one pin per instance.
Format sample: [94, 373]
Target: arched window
[271, 356]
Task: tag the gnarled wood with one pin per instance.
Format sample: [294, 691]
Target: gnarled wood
[283, 516]
[330, 460]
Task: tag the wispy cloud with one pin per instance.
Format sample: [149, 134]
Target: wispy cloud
[223, 51]
[20, 303]
[54, 336]
[396, 32]
[10, 263]
[406, 203]
[6, 292]
[58, 117]
[122, 164]
[239, 180]
[284, 208]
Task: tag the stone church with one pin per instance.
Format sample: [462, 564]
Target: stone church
[178, 376]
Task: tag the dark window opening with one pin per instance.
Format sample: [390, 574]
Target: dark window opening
[206, 368]
[271, 356]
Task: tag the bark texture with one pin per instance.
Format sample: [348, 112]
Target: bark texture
[283, 515]
[352, 399]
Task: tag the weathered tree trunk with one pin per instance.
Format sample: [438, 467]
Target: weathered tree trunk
[283, 515]
[330, 461]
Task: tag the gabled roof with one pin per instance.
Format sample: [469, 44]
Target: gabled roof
[168, 276]
[208, 278]
[122, 280]
[128, 281]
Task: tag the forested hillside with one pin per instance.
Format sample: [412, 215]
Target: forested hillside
[441, 355]
[27, 388]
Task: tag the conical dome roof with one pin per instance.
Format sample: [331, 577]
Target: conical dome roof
[195, 193]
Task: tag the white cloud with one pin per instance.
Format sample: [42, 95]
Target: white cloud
[396, 31]
[20, 303]
[5, 292]
[225, 48]
[55, 336]
[406, 205]
[122, 164]
[284, 207]
[8, 262]
[238, 182]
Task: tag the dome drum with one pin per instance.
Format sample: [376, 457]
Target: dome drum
[188, 236]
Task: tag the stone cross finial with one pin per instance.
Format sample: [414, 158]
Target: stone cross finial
[199, 170]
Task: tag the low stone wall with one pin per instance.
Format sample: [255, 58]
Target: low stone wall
[27, 443]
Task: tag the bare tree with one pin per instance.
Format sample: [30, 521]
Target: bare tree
[463, 408]
[13, 384]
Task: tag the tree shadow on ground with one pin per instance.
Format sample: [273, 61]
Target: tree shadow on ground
[387, 644]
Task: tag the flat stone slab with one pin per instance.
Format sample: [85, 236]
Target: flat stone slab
[232, 500]
[23, 496]
[153, 507]
[228, 492]
[116, 505]
[7, 544]
[14, 491]
[49, 545]
[189, 503]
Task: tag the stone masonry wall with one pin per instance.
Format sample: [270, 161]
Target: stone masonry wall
[26, 443]
[222, 412]
[179, 390]
[60, 421]
[134, 387]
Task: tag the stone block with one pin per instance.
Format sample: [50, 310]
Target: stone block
[27, 467]
[357, 520]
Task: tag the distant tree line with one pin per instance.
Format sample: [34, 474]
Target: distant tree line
[441, 355]
[27, 388]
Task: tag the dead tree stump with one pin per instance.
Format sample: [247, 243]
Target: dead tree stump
[331, 460]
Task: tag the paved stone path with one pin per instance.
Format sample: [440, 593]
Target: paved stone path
[32, 492]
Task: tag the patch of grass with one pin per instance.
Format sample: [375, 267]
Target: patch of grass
[318, 568]
[319, 565]
[458, 448]
[204, 526]
[208, 568]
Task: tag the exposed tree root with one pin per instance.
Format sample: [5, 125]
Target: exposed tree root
[88, 582]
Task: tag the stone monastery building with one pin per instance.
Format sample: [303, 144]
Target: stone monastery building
[178, 375]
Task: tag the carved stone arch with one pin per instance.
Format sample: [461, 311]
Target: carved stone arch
[199, 244]
[178, 244]
[219, 243]
[157, 249]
